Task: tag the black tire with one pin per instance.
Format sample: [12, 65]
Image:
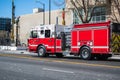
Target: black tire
[85, 53]
[59, 55]
[41, 51]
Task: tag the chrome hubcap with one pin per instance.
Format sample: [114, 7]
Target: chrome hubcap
[85, 53]
[41, 51]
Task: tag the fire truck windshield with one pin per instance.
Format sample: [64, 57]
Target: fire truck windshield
[34, 34]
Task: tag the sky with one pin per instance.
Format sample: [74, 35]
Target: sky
[26, 6]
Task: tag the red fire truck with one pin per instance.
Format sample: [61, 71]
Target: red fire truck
[89, 40]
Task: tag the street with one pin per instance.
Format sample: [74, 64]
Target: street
[29, 67]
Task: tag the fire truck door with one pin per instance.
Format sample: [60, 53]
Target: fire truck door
[33, 39]
[50, 42]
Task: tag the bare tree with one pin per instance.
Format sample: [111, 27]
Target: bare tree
[115, 11]
[59, 3]
[87, 8]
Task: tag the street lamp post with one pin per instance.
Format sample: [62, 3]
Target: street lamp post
[49, 11]
[43, 10]
[43, 13]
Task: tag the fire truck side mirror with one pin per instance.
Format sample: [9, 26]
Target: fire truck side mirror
[58, 36]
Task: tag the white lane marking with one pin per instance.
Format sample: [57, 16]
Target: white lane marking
[56, 70]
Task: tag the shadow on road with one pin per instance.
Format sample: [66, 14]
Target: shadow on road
[76, 58]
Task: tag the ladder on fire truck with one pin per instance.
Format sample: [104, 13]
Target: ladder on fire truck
[67, 32]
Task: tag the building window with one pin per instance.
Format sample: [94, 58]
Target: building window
[5, 23]
[76, 20]
[99, 15]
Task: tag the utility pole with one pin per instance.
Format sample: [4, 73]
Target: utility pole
[49, 11]
[63, 16]
[17, 26]
[13, 21]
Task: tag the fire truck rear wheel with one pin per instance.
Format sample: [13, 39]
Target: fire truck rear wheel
[85, 53]
[41, 51]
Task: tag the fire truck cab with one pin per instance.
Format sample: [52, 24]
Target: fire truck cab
[46, 40]
[89, 40]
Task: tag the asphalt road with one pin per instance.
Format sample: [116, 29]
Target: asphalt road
[27, 67]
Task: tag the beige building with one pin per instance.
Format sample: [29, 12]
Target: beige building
[104, 11]
[26, 22]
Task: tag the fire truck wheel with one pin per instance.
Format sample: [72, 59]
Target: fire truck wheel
[85, 53]
[41, 51]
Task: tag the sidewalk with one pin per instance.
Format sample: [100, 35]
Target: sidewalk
[117, 57]
[14, 50]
